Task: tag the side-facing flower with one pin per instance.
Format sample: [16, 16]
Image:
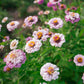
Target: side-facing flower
[4, 19]
[67, 11]
[6, 38]
[40, 12]
[29, 21]
[33, 46]
[39, 1]
[13, 44]
[6, 68]
[12, 25]
[49, 72]
[46, 12]
[57, 40]
[72, 17]
[62, 6]
[49, 4]
[55, 23]
[15, 59]
[24, 25]
[79, 60]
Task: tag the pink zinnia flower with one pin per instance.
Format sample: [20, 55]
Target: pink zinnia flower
[72, 17]
[67, 11]
[57, 40]
[40, 12]
[6, 38]
[39, 1]
[55, 8]
[49, 4]
[12, 25]
[6, 68]
[73, 8]
[15, 58]
[55, 1]
[29, 21]
[79, 60]
[55, 23]
[62, 6]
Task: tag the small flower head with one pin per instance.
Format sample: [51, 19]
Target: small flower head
[73, 8]
[12, 25]
[33, 46]
[55, 23]
[39, 1]
[4, 19]
[46, 12]
[15, 58]
[49, 72]
[29, 21]
[67, 11]
[49, 4]
[13, 44]
[40, 12]
[57, 40]
[55, 1]
[6, 38]
[41, 34]
[24, 25]
[72, 17]
[62, 6]
[79, 60]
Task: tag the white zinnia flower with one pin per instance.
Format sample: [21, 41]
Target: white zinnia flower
[33, 45]
[13, 44]
[4, 19]
[49, 72]
[57, 40]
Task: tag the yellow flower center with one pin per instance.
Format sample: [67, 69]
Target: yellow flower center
[80, 59]
[56, 38]
[62, 5]
[12, 55]
[24, 24]
[12, 23]
[50, 70]
[39, 34]
[68, 9]
[55, 21]
[4, 19]
[30, 18]
[73, 14]
[31, 44]
[8, 69]
[13, 44]
[49, 33]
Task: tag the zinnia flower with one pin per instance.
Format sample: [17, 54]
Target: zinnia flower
[4, 19]
[41, 34]
[40, 12]
[72, 17]
[57, 40]
[55, 23]
[12, 25]
[55, 1]
[49, 72]
[13, 44]
[67, 11]
[49, 4]
[6, 68]
[46, 12]
[24, 25]
[33, 45]
[79, 60]
[6, 38]
[62, 6]
[29, 21]
[15, 58]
